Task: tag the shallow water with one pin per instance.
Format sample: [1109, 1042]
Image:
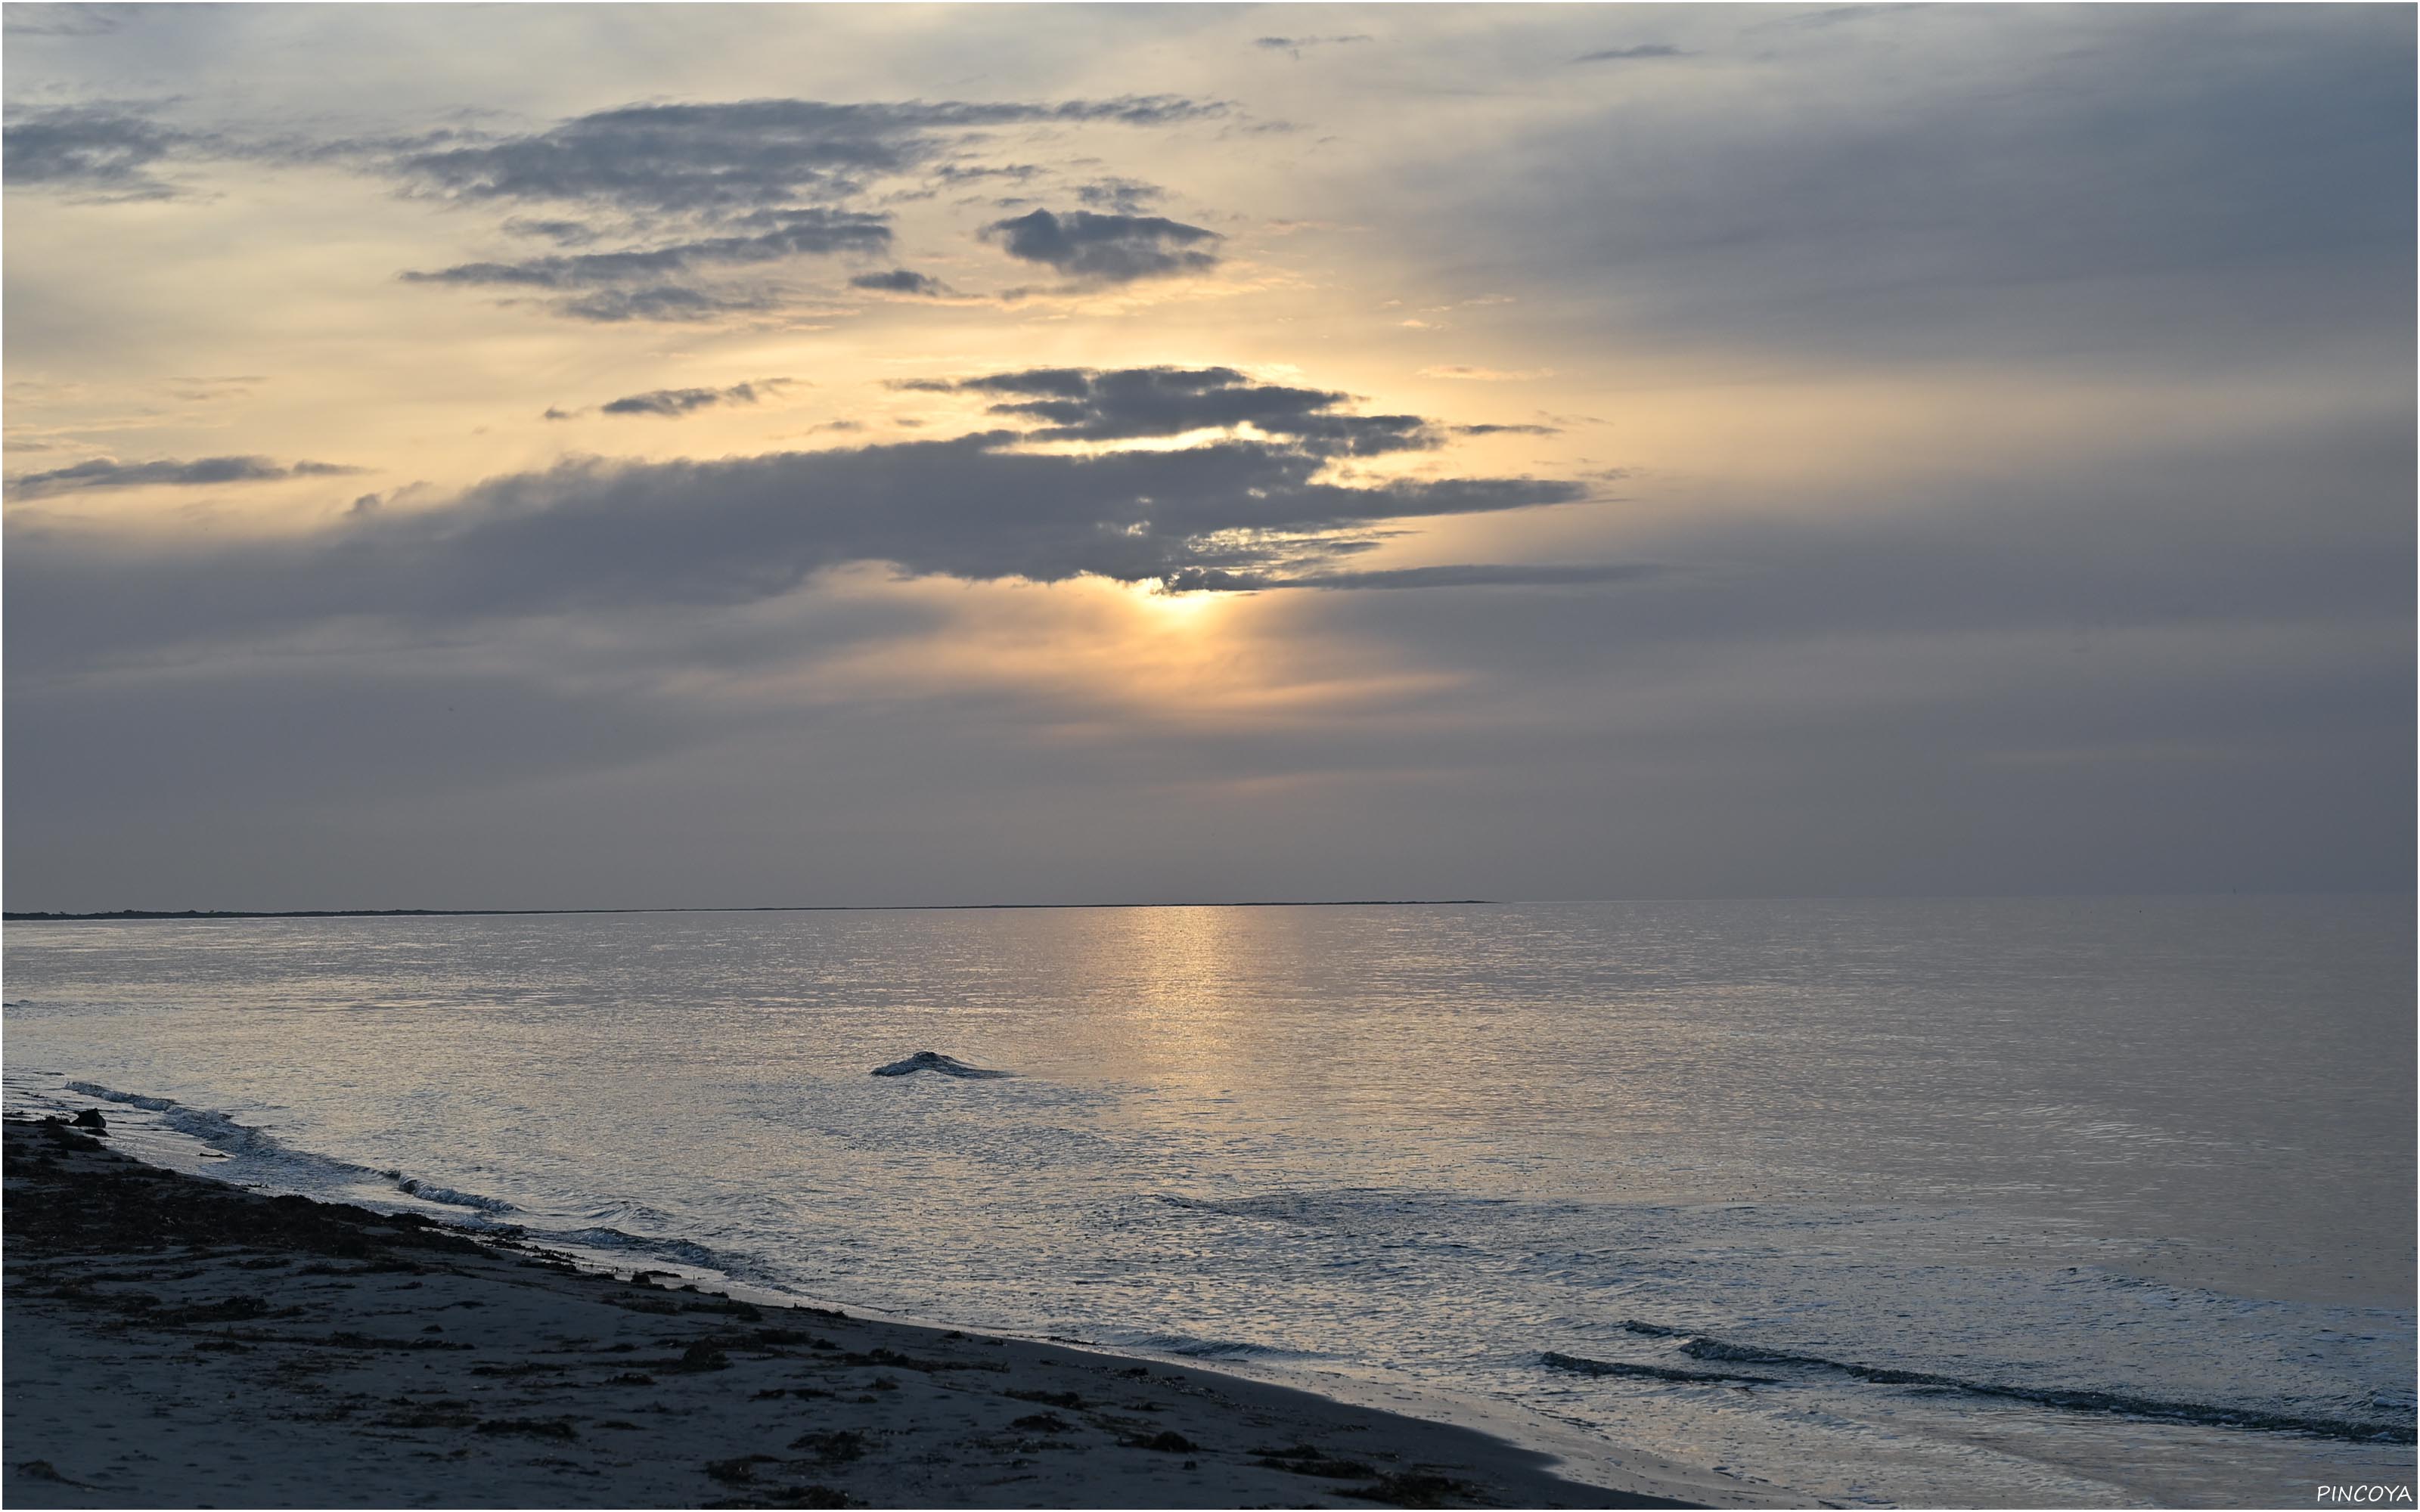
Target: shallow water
[2113, 1178]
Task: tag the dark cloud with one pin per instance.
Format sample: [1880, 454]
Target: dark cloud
[741, 155]
[102, 472]
[900, 281]
[607, 537]
[1296, 44]
[741, 184]
[960, 173]
[1485, 575]
[673, 403]
[561, 233]
[1508, 430]
[720, 186]
[94, 149]
[1106, 249]
[1126, 197]
[657, 301]
[1468, 575]
[790, 234]
[1627, 54]
[1086, 405]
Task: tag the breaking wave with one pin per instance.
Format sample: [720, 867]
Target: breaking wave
[225, 1134]
[480, 1212]
[1187, 1345]
[2070, 1399]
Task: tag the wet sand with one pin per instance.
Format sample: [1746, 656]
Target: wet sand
[174, 1341]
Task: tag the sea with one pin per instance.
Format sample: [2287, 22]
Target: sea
[2037, 1202]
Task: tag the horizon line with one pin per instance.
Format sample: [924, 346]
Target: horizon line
[170, 914]
[139, 915]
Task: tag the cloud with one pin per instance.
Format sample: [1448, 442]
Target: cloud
[1871, 211]
[657, 301]
[1508, 430]
[66, 19]
[1889, 661]
[741, 155]
[1086, 405]
[788, 234]
[675, 402]
[706, 188]
[962, 173]
[676, 279]
[91, 147]
[609, 537]
[1631, 54]
[1296, 44]
[561, 233]
[1106, 249]
[721, 186]
[900, 281]
[1126, 197]
[102, 472]
[1470, 574]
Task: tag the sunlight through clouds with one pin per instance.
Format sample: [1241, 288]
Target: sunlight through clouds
[1124, 386]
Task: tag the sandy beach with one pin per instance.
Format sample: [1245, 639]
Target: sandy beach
[174, 1341]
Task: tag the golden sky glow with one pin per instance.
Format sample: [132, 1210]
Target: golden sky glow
[1531, 449]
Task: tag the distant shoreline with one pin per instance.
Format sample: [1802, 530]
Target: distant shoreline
[141, 915]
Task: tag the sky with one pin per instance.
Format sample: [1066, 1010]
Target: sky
[574, 456]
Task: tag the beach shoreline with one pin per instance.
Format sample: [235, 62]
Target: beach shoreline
[174, 1340]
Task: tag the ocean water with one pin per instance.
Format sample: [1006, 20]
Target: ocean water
[2073, 1202]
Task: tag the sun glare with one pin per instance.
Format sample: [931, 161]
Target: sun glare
[1173, 608]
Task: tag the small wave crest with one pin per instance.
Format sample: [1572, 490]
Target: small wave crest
[1359, 1206]
[1187, 1347]
[1582, 1364]
[222, 1133]
[680, 1251]
[2072, 1399]
[431, 1192]
[155, 1104]
[280, 1166]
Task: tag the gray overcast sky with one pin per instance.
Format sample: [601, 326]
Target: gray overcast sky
[560, 455]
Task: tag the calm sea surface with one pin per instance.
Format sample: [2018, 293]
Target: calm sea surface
[2014, 1202]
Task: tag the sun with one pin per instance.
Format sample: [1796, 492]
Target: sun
[1173, 609]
